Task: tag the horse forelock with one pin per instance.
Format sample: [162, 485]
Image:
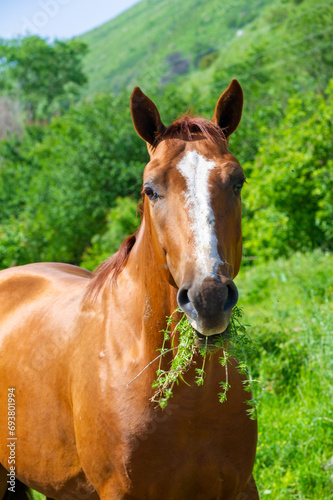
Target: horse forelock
[188, 127]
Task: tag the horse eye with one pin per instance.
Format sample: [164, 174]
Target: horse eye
[152, 195]
[238, 187]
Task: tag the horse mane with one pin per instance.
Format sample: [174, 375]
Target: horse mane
[190, 126]
[114, 264]
[186, 126]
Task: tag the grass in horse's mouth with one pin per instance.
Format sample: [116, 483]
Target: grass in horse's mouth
[233, 343]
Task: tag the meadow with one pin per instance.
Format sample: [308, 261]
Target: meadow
[288, 305]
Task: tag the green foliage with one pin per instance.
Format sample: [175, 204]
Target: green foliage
[37, 496]
[208, 59]
[235, 343]
[288, 304]
[274, 47]
[58, 183]
[272, 59]
[43, 72]
[289, 200]
[180, 363]
[122, 220]
[68, 173]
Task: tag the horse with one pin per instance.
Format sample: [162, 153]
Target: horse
[71, 341]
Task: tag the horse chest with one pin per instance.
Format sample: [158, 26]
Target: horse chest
[184, 452]
[183, 465]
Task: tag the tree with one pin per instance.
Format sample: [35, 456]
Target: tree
[122, 220]
[59, 181]
[289, 205]
[42, 72]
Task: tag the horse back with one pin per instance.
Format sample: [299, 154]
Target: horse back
[39, 308]
[39, 283]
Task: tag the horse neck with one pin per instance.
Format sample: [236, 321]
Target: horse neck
[142, 283]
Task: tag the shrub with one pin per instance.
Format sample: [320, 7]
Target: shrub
[289, 201]
[122, 221]
[58, 185]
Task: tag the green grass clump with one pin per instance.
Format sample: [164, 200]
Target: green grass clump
[236, 343]
[288, 302]
[37, 496]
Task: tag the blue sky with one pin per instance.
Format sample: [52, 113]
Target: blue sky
[60, 19]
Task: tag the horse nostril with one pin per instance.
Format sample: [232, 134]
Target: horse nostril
[182, 297]
[185, 303]
[232, 296]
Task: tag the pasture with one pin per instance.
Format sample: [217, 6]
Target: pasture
[288, 304]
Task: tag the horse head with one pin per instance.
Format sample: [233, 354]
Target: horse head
[191, 195]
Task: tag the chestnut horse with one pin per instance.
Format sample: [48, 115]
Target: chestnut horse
[71, 341]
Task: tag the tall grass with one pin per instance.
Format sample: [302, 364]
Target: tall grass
[288, 304]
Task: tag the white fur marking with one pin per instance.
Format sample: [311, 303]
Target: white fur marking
[196, 170]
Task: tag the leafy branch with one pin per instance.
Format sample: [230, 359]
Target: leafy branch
[236, 343]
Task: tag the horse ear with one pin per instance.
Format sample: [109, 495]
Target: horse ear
[146, 118]
[229, 107]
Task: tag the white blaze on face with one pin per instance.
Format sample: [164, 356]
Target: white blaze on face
[196, 171]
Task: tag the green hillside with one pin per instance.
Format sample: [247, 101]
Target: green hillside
[157, 37]
[203, 41]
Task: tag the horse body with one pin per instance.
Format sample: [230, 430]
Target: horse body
[72, 344]
[38, 306]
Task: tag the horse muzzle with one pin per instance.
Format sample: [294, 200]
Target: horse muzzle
[208, 304]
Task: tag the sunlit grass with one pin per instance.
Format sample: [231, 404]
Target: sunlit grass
[288, 304]
[37, 496]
